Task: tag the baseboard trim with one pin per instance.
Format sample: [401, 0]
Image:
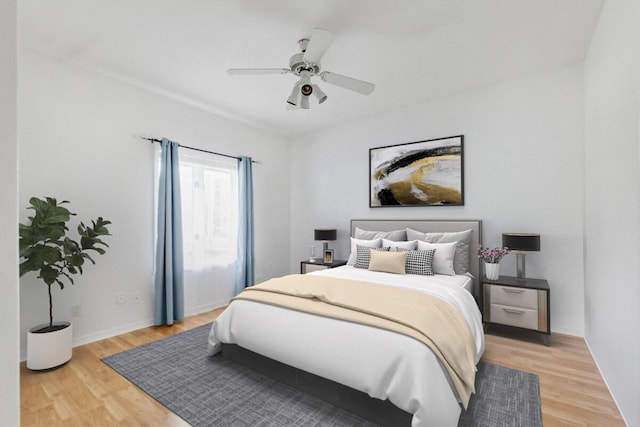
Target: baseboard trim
[604, 380]
[130, 327]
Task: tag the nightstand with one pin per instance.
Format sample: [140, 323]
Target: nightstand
[309, 266]
[518, 303]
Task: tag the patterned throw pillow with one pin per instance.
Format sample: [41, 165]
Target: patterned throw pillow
[420, 262]
[364, 255]
[353, 254]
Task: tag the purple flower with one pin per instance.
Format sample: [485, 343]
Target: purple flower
[492, 255]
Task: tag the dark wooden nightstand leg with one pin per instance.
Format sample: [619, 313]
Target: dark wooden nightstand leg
[545, 340]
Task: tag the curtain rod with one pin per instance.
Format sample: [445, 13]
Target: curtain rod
[152, 140]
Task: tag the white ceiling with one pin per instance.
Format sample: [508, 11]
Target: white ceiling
[413, 50]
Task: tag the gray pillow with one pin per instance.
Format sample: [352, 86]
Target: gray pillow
[397, 235]
[461, 258]
[395, 245]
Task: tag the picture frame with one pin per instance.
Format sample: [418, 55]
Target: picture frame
[421, 173]
[328, 256]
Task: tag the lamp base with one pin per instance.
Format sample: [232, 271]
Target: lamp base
[520, 266]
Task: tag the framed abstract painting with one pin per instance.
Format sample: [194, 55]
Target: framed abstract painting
[422, 173]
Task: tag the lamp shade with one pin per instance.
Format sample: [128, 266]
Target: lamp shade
[528, 242]
[325, 234]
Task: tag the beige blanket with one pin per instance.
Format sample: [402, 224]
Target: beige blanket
[424, 317]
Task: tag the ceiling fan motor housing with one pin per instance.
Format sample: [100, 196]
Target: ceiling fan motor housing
[297, 65]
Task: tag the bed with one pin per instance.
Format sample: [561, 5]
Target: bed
[381, 374]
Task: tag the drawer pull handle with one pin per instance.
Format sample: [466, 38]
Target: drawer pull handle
[513, 291]
[512, 311]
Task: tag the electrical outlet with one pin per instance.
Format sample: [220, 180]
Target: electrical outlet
[75, 311]
[120, 298]
[136, 297]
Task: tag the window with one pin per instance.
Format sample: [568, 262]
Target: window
[209, 189]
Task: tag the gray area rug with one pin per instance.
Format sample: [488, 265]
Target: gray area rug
[212, 391]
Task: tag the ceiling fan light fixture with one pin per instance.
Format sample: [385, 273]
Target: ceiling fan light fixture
[306, 89]
[294, 98]
[319, 94]
[304, 102]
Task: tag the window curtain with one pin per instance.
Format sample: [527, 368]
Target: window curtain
[245, 267]
[169, 271]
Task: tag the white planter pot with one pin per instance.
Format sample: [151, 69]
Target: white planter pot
[49, 349]
[492, 271]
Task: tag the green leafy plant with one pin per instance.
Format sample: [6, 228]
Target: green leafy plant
[45, 247]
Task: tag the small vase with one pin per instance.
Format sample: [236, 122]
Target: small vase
[492, 270]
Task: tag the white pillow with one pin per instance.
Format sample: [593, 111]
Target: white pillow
[398, 235]
[443, 258]
[395, 245]
[376, 243]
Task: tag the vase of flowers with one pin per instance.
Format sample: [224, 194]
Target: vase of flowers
[491, 258]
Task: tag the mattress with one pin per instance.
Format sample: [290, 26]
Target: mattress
[381, 363]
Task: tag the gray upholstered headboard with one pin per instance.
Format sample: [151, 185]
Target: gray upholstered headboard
[431, 226]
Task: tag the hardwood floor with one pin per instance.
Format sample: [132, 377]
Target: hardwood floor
[86, 392]
[572, 391]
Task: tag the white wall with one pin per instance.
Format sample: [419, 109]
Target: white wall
[612, 202]
[76, 143]
[523, 167]
[9, 337]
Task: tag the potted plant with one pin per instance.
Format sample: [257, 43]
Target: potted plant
[46, 249]
[491, 258]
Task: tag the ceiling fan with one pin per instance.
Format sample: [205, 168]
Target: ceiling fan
[306, 65]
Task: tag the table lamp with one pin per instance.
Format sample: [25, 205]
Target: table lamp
[520, 243]
[324, 235]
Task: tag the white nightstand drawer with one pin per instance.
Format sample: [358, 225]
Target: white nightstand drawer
[516, 297]
[514, 316]
[308, 268]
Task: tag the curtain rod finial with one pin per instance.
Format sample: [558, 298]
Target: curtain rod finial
[145, 138]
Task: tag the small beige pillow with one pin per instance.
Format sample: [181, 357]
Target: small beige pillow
[388, 262]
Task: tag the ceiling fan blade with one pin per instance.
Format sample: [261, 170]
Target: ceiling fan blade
[319, 42]
[350, 83]
[252, 71]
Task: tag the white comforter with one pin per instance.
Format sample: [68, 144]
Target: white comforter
[383, 364]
